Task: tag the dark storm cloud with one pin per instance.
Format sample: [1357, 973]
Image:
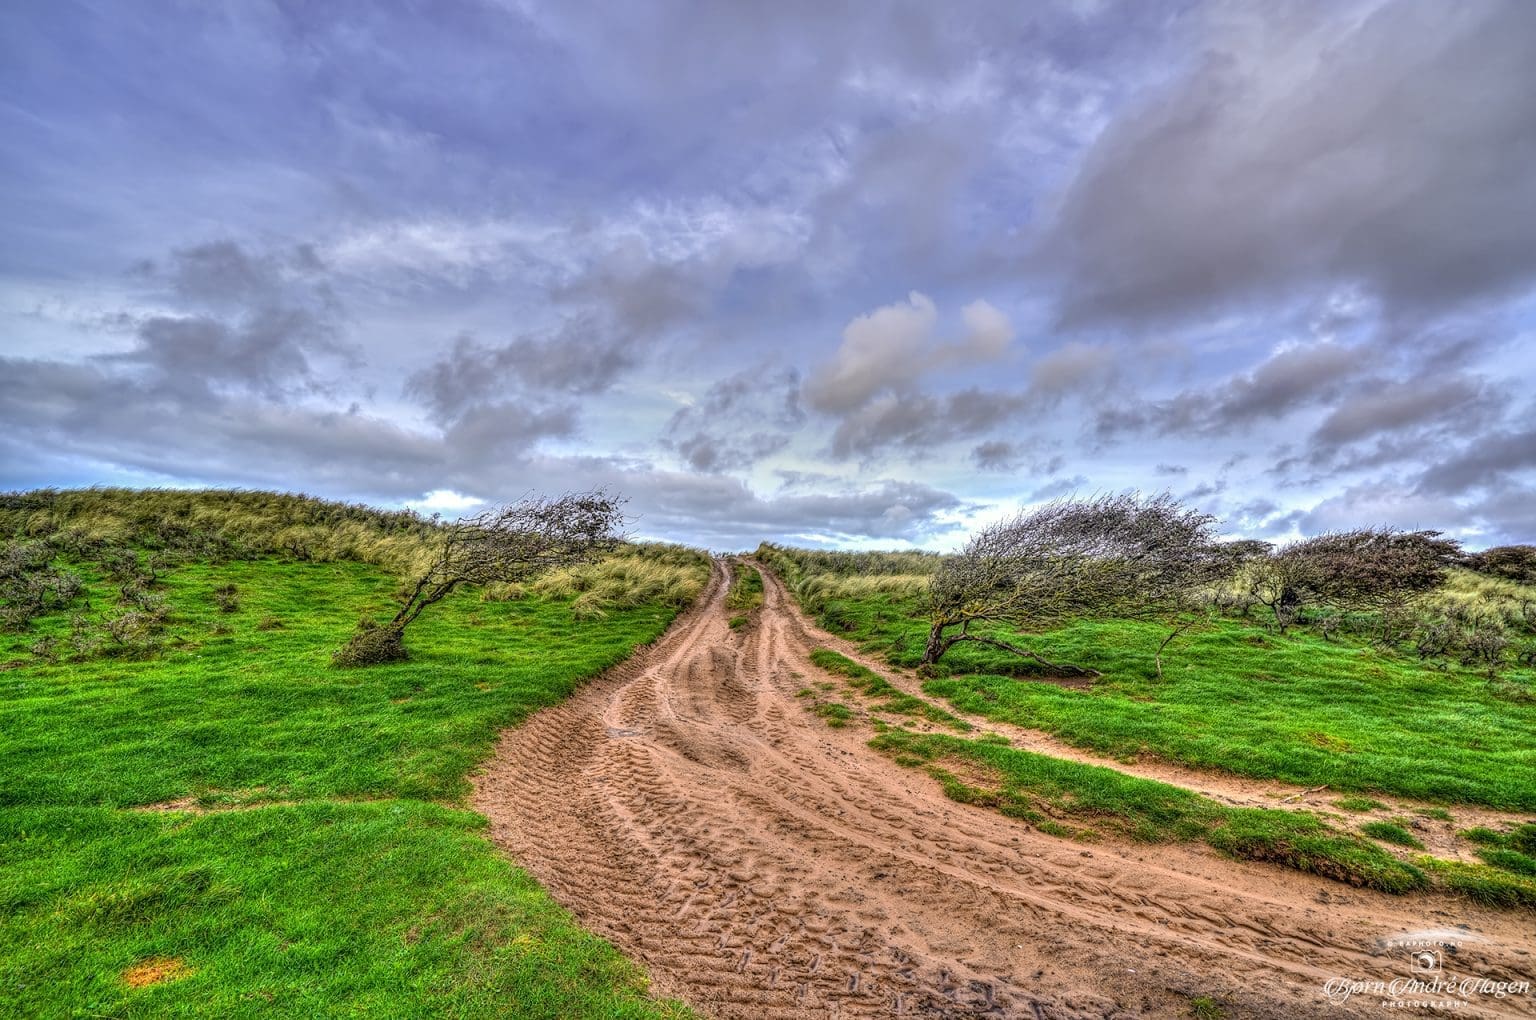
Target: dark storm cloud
[892, 349]
[1382, 422]
[577, 358]
[105, 416]
[1490, 459]
[225, 275]
[1315, 147]
[249, 320]
[725, 513]
[1059, 488]
[879, 385]
[996, 455]
[1073, 369]
[227, 382]
[1388, 406]
[917, 424]
[873, 385]
[739, 421]
[1285, 382]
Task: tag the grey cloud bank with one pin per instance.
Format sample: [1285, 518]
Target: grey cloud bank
[832, 274]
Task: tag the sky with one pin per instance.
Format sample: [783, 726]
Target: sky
[837, 274]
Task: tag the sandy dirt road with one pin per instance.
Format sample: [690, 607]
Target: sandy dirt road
[688, 807]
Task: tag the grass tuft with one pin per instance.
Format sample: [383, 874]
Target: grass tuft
[890, 698]
[746, 592]
[1391, 832]
[1484, 884]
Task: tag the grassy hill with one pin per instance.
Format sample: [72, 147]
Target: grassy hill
[1340, 710]
[200, 815]
[1329, 706]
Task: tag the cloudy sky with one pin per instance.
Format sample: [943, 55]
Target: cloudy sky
[857, 274]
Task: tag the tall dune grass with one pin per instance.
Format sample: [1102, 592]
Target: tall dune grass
[218, 524]
[635, 573]
[1479, 598]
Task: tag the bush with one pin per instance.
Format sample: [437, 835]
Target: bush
[46, 649]
[1485, 647]
[370, 645]
[1366, 569]
[227, 598]
[30, 585]
[1510, 562]
[134, 633]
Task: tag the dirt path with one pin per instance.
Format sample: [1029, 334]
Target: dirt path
[689, 808]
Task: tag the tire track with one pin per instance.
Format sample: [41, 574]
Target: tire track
[687, 807]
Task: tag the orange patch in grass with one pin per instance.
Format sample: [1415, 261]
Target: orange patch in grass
[155, 970]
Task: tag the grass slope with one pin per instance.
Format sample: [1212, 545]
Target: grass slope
[1069, 798]
[1235, 696]
[1080, 801]
[1295, 708]
[383, 905]
[396, 908]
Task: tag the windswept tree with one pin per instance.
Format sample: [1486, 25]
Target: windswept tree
[1509, 562]
[1378, 570]
[511, 543]
[1113, 555]
[1281, 582]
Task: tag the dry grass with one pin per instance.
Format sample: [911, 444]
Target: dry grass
[818, 589]
[633, 575]
[154, 971]
[1491, 600]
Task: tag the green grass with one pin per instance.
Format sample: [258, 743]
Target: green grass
[1358, 804]
[1237, 697]
[834, 713]
[397, 908]
[889, 698]
[1204, 1007]
[746, 592]
[1070, 798]
[261, 714]
[1080, 801]
[1487, 885]
[1513, 851]
[1509, 860]
[1391, 832]
[347, 892]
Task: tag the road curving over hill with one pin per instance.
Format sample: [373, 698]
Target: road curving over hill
[688, 807]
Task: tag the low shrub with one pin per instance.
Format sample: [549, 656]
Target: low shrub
[227, 598]
[370, 645]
